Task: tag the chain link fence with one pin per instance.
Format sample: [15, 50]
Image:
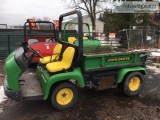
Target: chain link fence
[137, 37]
[142, 37]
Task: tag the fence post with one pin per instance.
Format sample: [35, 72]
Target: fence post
[158, 41]
[129, 38]
[9, 47]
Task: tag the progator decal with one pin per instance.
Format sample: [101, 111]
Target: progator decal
[118, 59]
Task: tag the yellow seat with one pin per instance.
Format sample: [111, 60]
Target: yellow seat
[65, 63]
[71, 40]
[56, 52]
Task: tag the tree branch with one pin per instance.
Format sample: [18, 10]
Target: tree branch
[85, 3]
[81, 8]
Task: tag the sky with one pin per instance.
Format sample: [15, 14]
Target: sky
[16, 12]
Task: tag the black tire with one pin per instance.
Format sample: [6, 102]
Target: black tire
[125, 86]
[60, 88]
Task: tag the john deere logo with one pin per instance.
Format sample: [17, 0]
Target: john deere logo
[118, 59]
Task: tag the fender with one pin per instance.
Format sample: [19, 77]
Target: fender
[124, 71]
[13, 70]
[76, 74]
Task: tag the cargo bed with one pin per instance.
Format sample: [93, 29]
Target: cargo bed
[106, 59]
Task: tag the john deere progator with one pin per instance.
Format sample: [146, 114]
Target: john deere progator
[58, 77]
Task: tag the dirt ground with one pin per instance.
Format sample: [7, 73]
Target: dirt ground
[92, 105]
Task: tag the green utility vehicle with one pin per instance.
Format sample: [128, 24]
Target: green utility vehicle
[73, 68]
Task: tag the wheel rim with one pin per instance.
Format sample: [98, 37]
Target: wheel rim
[134, 83]
[64, 96]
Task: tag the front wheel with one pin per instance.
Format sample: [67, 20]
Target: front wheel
[64, 96]
[132, 84]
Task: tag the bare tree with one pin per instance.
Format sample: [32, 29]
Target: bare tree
[46, 18]
[41, 19]
[92, 7]
[42, 25]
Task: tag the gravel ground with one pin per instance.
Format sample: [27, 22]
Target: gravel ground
[92, 105]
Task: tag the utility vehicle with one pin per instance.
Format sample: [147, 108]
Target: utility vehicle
[74, 68]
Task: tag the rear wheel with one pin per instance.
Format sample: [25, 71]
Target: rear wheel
[132, 84]
[64, 96]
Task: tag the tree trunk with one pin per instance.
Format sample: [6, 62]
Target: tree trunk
[94, 17]
[93, 25]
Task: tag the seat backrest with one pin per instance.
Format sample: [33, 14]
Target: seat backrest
[71, 40]
[57, 49]
[68, 56]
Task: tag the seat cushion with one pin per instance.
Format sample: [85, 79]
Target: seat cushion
[47, 59]
[56, 52]
[56, 66]
[66, 62]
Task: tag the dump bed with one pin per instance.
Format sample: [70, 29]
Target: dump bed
[96, 61]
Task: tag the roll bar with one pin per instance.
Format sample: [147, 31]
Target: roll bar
[65, 26]
[80, 28]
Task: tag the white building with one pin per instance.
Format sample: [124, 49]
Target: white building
[86, 19]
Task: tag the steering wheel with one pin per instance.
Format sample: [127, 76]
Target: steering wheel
[35, 52]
